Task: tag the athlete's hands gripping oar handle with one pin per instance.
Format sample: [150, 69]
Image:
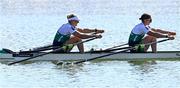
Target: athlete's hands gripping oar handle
[130, 48]
[172, 33]
[50, 52]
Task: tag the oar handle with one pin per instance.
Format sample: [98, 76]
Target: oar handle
[157, 42]
[90, 39]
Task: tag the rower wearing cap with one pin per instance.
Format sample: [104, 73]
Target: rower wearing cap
[137, 35]
[69, 34]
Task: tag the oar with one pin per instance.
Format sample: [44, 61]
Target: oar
[49, 52]
[42, 49]
[38, 49]
[109, 50]
[130, 48]
[116, 46]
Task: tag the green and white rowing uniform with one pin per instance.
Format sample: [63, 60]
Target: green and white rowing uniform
[63, 34]
[137, 34]
[60, 39]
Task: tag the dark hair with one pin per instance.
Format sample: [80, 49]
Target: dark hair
[145, 16]
[70, 16]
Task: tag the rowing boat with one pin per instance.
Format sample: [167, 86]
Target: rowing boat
[79, 56]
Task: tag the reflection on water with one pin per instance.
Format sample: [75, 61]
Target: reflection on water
[71, 70]
[143, 66]
[92, 74]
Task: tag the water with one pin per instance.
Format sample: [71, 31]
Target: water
[110, 74]
[25, 24]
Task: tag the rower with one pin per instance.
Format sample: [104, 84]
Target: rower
[68, 34]
[137, 35]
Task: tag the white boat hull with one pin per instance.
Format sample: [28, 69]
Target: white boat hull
[78, 56]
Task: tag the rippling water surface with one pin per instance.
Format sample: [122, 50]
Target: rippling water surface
[106, 74]
[25, 24]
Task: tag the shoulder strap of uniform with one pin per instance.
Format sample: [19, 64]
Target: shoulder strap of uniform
[73, 28]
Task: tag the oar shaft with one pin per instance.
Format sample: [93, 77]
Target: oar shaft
[44, 49]
[116, 46]
[38, 49]
[157, 42]
[49, 52]
[109, 50]
[35, 56]
[130, 48]
[29, 58]
[48, 48]
[102, 56]
[90, 39]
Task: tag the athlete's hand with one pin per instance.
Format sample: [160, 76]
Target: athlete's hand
[171, 33]
[98, 36]
[99, 31]
[171, 37]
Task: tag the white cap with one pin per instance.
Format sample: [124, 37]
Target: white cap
[74, 18]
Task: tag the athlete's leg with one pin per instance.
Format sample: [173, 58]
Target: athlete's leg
[74, 39]
[149, 39]
[154, 46]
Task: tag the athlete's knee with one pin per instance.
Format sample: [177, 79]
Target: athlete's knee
[77, 39]
[151, 38]
[154, 39]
